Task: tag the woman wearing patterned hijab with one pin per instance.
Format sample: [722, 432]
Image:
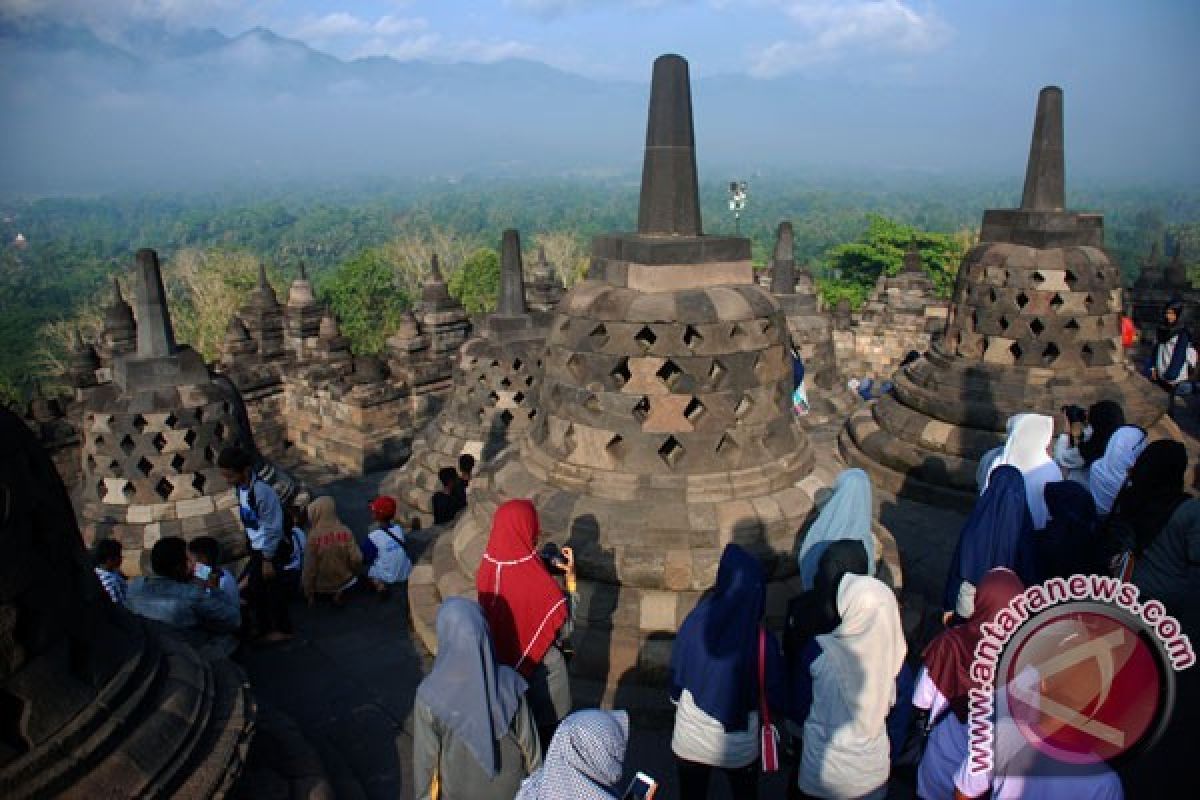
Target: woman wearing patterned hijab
[473, 734]
[585, 759]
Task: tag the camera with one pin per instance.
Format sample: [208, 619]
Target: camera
[1075, 414]
[552, 556]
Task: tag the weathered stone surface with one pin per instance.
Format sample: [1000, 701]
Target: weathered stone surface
[1033, 326]
[74, 664]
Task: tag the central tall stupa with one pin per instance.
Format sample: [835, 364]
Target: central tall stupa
[666, 428]
[1034, 325]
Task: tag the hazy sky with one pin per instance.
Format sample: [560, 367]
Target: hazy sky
[925, 85]
[915, 42]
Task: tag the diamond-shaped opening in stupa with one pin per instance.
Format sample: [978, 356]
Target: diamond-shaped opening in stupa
[198, 481]
[694, 410]
[138, 423]
[177, 462]
[668, 373]
[641, 409]
[716, 373]
[1022, 299]
[1050, 354]
[671, 451]
[1017, 352]
[1036, 327]
[189, 438]
[1056, 303]
[615, 447]
[692, 338]
[620, 373]
[127, 446]
[645, 338]
[164, 488]
[1072, 325]
[1071, 279]
[1037, 278]
[743, 407]
[144, 466]
[1004, 323]
[599, 336]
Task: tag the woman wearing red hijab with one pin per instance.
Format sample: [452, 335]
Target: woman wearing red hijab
[527, 611]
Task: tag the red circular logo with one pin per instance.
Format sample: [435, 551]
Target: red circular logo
[1084, 686]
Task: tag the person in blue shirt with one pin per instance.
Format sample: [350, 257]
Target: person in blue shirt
[270, 550]
[172, 597]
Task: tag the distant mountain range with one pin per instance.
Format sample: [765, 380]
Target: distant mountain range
[172, 109]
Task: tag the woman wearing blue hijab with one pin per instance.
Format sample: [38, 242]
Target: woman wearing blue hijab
[999, 533]
[846, 515]
[714, 680]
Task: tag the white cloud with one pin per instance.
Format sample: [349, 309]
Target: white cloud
[435, 47]
[831, 30]
[341, 25]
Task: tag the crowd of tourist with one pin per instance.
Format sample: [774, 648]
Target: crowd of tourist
[842, 702]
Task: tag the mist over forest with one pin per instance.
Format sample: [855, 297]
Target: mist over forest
[223, 150]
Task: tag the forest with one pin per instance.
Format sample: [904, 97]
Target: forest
[366, 245]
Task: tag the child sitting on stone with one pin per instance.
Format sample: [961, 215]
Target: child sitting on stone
[107, 559]
[385, 550]
[205, 550]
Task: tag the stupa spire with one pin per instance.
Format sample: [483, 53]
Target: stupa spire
[670, 199]
[1045, 174]
[783, 261]
[155, 334]
[512, 276]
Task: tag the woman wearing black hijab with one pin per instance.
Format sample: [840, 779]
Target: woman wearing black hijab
[1104, 418]
[1174, 356]
[1155, 519]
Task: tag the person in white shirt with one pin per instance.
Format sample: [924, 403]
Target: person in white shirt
[386, 549]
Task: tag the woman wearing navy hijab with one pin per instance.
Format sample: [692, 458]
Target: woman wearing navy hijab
[714, 680]
[999, 533]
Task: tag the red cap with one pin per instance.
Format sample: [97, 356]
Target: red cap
[383, 505]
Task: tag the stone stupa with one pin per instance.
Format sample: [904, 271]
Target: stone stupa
[664, 432]
[150, 439]
[96, 701]
[494, 397]
[1034, 325]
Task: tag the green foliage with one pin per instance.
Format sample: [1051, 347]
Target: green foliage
[880, 251]
[363, 294]
[476, 283]
[76, 244]
[833, 292]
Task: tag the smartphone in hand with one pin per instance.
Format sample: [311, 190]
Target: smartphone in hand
[642, 787]
[202, 572]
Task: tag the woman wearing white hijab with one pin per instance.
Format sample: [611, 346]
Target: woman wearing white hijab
[1028, 449]
[846, 752]
[1108, 475]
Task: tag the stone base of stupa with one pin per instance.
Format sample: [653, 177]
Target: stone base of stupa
[167, 724]
[628, 614]
[924, 440]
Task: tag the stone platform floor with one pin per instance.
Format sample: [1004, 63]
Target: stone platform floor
[349, 678]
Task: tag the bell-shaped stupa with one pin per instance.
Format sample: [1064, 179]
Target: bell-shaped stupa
[1034, 325]
[494, 397]
[665, 428]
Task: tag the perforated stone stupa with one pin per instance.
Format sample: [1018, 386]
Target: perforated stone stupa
[97, 702]
[494, 400]
[150, 438]
[1033, 326]
[665, 428]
